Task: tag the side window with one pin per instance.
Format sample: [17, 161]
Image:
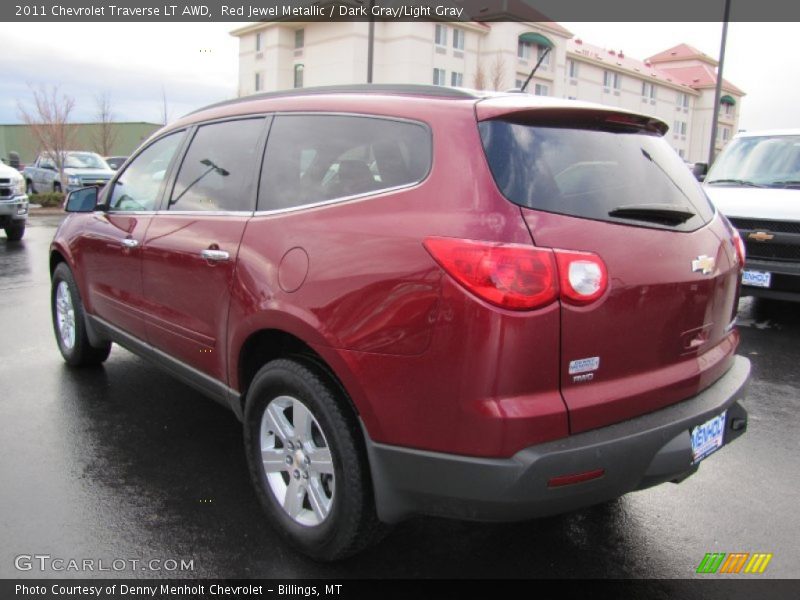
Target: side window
[217, 171]
[314, 158]
[138, 187]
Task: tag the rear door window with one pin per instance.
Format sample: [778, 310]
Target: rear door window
[593, 173]
[317, 158]
[217, 172]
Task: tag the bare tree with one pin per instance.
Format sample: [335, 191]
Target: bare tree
[48, 121]
[497, 72]
[164, 110]
[104, 134]
[479, 79]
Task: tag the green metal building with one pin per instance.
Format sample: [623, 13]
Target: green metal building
[18, 138]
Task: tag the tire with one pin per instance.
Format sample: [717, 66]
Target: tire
[56, 187]
[331, 514]
[29, 189]
[69, 322]
[15, 232]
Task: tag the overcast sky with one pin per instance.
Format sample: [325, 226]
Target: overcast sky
[197, 63]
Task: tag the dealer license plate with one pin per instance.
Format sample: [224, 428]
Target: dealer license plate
[760, 279]
[707, 438]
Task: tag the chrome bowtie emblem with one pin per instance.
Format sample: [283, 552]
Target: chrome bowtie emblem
[703, 264]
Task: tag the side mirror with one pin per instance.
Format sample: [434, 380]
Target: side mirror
[81, 200]
[699, 171]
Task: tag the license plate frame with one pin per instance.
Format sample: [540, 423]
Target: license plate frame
[708, 437]
[760, 279]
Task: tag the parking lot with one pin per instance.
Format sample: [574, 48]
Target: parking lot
[124, 462]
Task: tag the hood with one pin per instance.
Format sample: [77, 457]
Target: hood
[94, 173]
[775, 204]
[6, 171]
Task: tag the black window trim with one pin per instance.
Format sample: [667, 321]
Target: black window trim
[354, 197]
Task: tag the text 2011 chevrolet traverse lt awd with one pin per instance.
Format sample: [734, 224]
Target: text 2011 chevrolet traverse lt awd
[419, 300]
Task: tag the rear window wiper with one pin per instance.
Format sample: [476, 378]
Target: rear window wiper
[666, 214]
[735, 181]
[786, 183]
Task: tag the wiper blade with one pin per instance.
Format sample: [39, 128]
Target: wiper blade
[666, 214]
[743, 182]
[785, 183]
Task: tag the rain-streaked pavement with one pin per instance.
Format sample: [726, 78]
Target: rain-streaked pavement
[124, 462]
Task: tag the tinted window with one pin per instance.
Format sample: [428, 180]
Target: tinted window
[589, 173]
[217, 171]
[315, 158]
[139, 185]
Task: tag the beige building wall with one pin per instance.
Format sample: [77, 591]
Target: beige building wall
[335, 53]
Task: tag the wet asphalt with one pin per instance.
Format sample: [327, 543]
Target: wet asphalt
[124, 462]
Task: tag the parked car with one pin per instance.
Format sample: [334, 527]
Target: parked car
[115, 162]
[13, 203]
[80, 168]
[419, 300]
[755, 182]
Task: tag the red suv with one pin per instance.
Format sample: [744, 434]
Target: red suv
[419, 300]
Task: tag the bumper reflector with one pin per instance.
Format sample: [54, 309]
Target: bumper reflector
[562, 480]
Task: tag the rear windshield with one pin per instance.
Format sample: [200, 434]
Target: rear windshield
[592, 174]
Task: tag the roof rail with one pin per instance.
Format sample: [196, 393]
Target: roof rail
[404, 89]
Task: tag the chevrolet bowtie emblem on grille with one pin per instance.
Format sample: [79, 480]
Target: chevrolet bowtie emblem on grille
[703, 264]
[760, 236]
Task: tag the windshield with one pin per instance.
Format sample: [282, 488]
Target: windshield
[595, 174]
[772, 161]
[84, 160]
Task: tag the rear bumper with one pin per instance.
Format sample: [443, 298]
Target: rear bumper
[634, 454]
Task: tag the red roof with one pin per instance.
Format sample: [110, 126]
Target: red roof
[699, 77]
[681, 52]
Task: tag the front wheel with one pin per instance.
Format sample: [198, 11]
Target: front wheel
[69, 322]
[56, 188]
[15, 232]
[307, 461]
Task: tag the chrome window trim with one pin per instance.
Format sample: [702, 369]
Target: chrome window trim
[352, 198]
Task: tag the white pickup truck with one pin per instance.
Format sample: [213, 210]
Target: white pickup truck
[81, 169]
[755, 182]
[13, 203]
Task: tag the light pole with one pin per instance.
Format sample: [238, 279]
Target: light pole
[718, 90]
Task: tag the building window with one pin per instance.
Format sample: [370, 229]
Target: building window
[524, 50]
[612, 79]
[541, 90]
[299, 39]
[258, 82]
[458, 39]
[456, 79]
[541, 51]
[518, 84]
[683, 100]
[726, 134]
[298, 76]
[258, 42]
[681, 153]
[439, 77]
[572, 66]
[648, 90]
[440, 38]
[727, 109]
[679, 128]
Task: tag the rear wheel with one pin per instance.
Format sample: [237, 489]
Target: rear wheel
[15, 232]
[307, 461]
[29, 189]
[69, 322]
[56, 187]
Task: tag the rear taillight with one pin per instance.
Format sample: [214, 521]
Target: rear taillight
[582, 275]
[511, 276]
[519, 277]
[738, 243]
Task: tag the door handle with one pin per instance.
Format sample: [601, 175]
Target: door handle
[215, 255]
[130, 243]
